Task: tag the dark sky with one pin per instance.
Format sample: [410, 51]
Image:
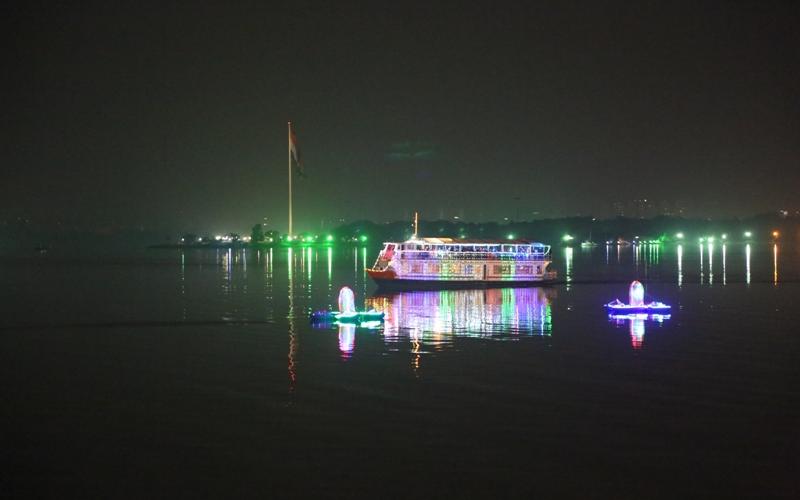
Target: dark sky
[175, 117]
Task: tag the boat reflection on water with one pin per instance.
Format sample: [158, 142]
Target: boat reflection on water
[637, 325]
[434, 319]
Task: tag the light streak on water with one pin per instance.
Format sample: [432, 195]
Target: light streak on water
[701, 264]
[330, 266]
[291, 364]
[747, 263]
[710, 263]
[775, 264]
[568, 266]
[724, 269]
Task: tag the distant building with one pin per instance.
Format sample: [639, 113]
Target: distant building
[642, 208]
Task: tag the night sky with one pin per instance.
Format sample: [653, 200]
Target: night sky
[175, 117]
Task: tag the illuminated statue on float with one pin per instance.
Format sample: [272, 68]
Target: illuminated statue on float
[637, 312]
[636, 304]
[347, 301]
[347, 312]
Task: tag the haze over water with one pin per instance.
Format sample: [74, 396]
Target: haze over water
[181, 373]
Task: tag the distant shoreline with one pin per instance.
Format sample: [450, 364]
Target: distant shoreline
[567, 231]
[228, 245]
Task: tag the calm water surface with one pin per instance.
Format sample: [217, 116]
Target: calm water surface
[197, 373]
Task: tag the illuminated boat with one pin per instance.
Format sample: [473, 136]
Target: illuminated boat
[434, 263]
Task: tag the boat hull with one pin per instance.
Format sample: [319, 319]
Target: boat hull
[408, 284]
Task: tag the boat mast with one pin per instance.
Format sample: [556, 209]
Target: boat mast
[416, 224]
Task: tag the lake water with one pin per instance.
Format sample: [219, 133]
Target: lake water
[169, 373]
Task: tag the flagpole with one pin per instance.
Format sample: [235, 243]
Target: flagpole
[290, 180]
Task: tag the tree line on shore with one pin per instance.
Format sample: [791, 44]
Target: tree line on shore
[551, 231]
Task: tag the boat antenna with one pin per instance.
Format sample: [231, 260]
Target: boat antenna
[416, 224]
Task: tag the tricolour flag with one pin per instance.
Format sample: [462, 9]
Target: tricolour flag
[294, 151]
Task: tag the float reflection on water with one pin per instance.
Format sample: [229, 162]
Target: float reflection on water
[434, 319]
[347, 339]
[636, 323]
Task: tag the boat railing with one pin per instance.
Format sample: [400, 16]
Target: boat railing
[510, 256]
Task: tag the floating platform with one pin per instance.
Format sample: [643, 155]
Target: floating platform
[354, 317]
[617, 307]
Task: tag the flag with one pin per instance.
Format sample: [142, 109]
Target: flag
[294, 151]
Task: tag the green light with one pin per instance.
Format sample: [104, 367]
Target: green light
[329, 238]
[710, 239]
[702, 239]
[679, 236]
[724, 236]
[567, 237]
[748, 234]
[510, 236]
[363, 237]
